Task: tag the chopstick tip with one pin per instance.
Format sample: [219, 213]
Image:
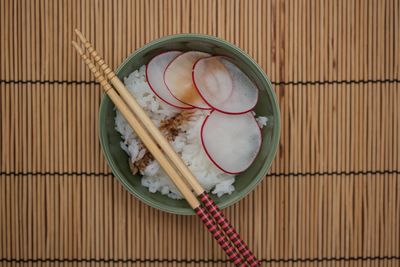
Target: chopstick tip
[80, 35]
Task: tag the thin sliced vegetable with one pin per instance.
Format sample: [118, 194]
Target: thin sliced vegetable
[155, 77]
[244, 95]
[178, 78]
[231, 142]
[212, 80]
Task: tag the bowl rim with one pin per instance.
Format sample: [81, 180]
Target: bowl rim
[267, 162]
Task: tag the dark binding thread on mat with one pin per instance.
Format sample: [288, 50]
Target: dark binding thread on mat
[56, 173]
[374, 172]
[47, 82]
[188, 261]
[68, 82]
[101, 174]
[336, 82]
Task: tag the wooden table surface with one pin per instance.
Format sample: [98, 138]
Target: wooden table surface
[332, 197]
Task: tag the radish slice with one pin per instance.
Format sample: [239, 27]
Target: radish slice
[244, 95]
[155, 77]
[178, 78]
[212, 80]
[231, 142]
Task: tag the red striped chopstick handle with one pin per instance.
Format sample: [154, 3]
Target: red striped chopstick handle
[219, 217]
[213, 228]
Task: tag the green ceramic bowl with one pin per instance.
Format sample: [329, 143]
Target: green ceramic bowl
[266, 106]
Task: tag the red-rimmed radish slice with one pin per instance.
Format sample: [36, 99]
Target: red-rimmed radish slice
[244, 95]
[178, 78]
[155, 77]
[231, 142]
[212, 80]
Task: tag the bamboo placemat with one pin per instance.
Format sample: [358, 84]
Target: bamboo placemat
[332, 197]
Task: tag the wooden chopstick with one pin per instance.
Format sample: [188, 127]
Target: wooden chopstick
[163, 161]
[165, 145]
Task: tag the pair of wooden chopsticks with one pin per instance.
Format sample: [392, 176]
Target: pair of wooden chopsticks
[163, 152]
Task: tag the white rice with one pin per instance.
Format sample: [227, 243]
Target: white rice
[187, 143]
